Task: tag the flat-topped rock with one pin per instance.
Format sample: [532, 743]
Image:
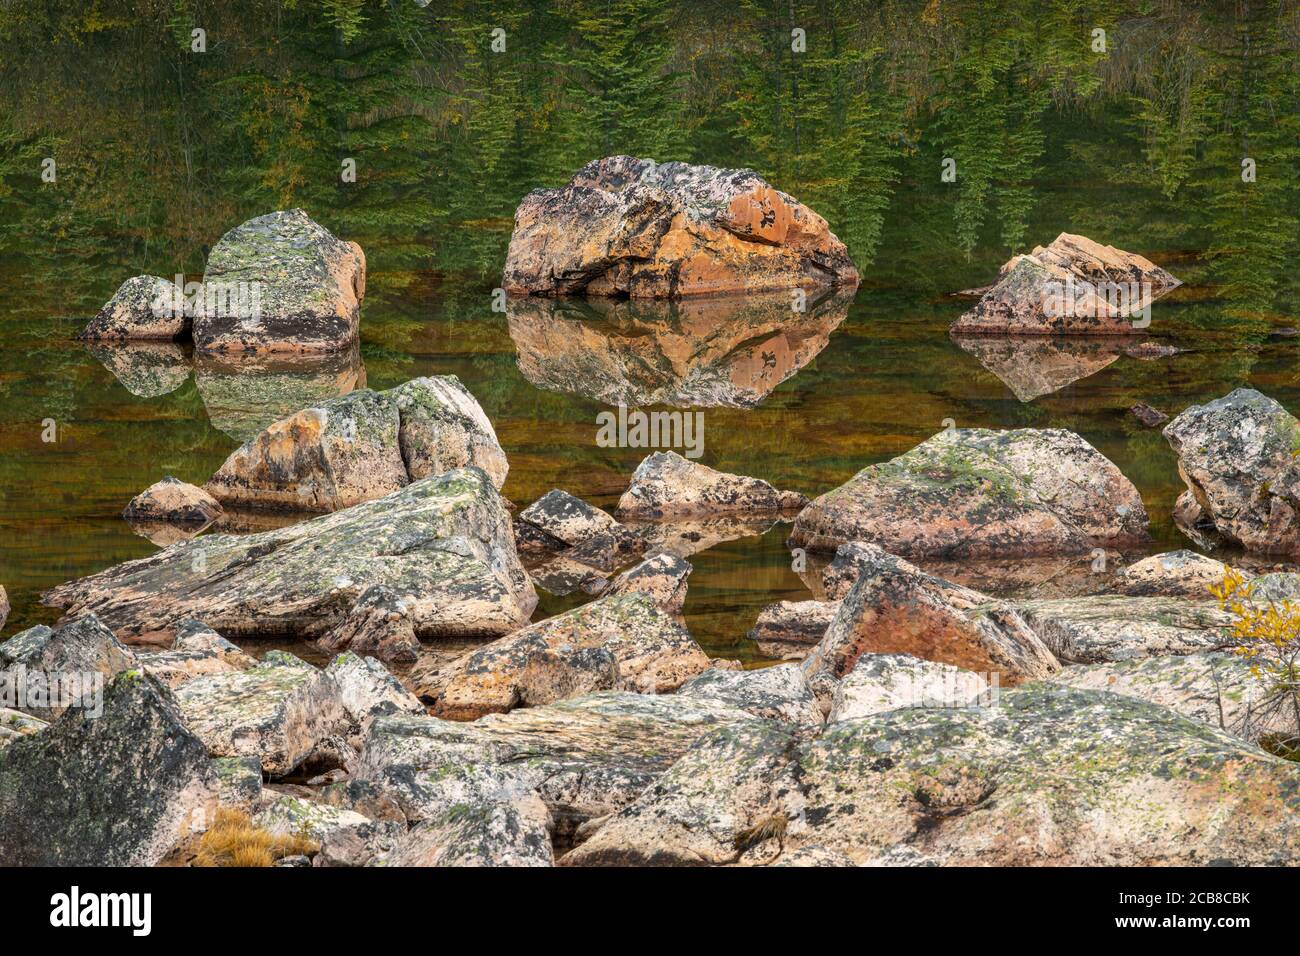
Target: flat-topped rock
[1237, 456]
[281, 283]
[666, 485]
[443, 544]
[143, 308]
[883, 682]
[979, 492]
[622, 642]
[1112, 627]
[361, 446]
[634, 227]
[1072, 286]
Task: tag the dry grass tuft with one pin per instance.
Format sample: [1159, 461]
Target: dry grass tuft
[232, 840]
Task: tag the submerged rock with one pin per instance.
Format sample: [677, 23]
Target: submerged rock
[1113, 781]
[173, 501]
[359, 447]
[119, 789]
[725, 351]
[1237, 456]
[1072, 286]
[625, 226]
[978, 492]
[284, 284]
[442, 544]
[621, 642]
[666, 485]
[143, 307]
[1148, 416]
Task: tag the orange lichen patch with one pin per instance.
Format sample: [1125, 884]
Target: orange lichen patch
[760, 214]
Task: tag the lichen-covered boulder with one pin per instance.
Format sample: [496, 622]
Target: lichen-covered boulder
[509, 785]
[621, 642]
[379, 624]
[895, 608]
[569, 520]
[345, 837]
[143, 307]
[1217, 688]
[978, 492]
[49, 671]
[281, 283]
[443, 544]
[789, 629]
[1112, 627]
[625, 226]
[662, 578]
[197, 652]
[359, 447]
[1050, 776]
[666, 485]
[882, 682]
[1172, 574]
[775, 693]
[367, 690]
[172, 500]
[122, 788]
[278, 711]
[1073, 286]
[1238, 458]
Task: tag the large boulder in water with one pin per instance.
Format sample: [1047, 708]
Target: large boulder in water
[666, 485]
[625, 226]
[361, 446]
[1073, 286]
[1238, 458]
[442, 544]
[121, 788]
[978, 492]
[281, 283]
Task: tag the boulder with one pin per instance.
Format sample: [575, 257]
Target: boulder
[1073, 286]
[1214, 687]
[569, 520]
[701, 352]
[1051, 776]
[774, 693]
[633, 227]
[278, 711]
[379, 624]
[1237, 456]
[895, 608]
[884, 682]
[977, 492]
[662, 578]
[281, 283]
[367, 690]
[1172, 574]
[789, 629]
[345, 837]
[143, 307]
[175, 501]
[510, 785]
[119, 789]
[197, 652]
[666, 485]
[359, 447]
[46, 672]
[621, 642]
[1112, 627]
[443, 544]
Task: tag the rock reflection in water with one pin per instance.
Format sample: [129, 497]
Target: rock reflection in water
[145, 369]
[1033, 367]
[713, 352]
[243, 395]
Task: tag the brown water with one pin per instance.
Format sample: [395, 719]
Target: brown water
[801, 400]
